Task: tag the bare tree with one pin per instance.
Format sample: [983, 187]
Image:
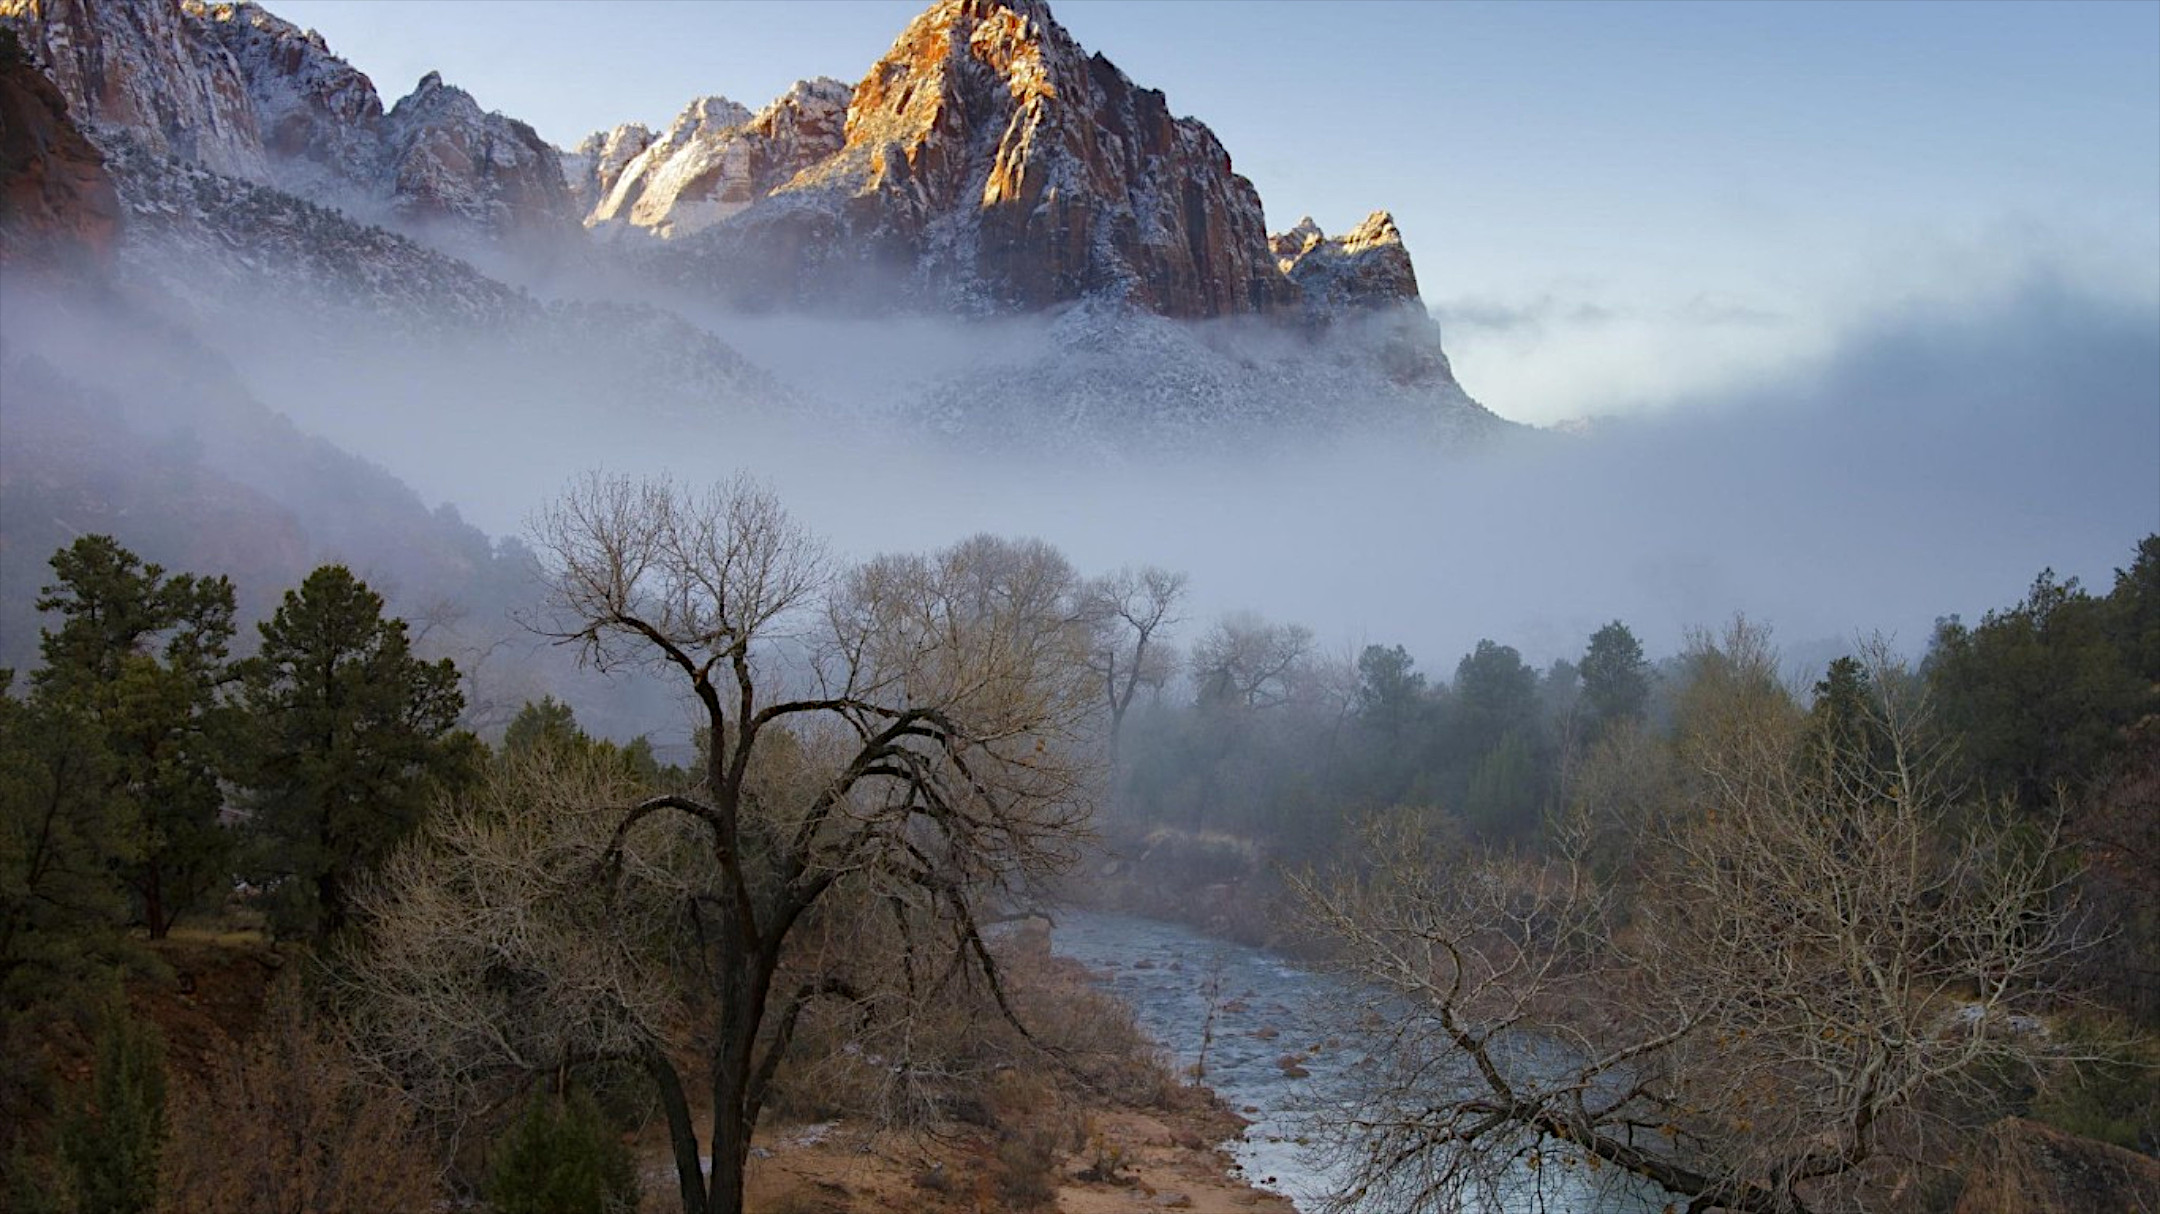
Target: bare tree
[1812, 991]
[1128, 611]
[1246, 661]
[904, 738]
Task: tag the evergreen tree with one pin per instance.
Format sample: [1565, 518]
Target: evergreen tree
[560, 1157]
[2039, 694]
[352, 737]
[547, 722]
[1848, 732]
[60, 841]
[1615, 677]
[1495, 695]
[140, 659]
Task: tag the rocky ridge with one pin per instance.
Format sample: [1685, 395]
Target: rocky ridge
[242, 93]
[1366, 267]
[988, 163]
[715, 161]
[444, 159]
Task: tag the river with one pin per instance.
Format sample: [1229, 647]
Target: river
[1266, 1009]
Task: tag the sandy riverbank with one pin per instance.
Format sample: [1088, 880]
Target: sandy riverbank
[1167, 1158]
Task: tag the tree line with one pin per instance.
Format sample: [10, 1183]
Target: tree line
[891, 756]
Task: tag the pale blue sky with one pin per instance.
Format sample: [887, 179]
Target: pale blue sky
[1611, 205]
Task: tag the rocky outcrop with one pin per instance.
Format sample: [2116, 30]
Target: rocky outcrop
[145, 66]
[717, 160]
[593, 167]
[231, 88]
[445, 159]
[1366, 267]
[989, 163]
[2028, 1168]
[58, 209]
[312, 109]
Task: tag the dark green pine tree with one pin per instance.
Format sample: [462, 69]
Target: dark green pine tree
[140, 658]
[351, 738]
[1615, 676]
[61, 840]
[1848, 733]
[2039, 695]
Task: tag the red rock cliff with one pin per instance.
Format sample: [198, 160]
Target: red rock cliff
[58, 209]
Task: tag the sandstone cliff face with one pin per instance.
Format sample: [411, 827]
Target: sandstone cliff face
[446, 159]
[988, 162]
[231, 88]
[718, 159]
[1366, 267]
[144, 66]
[58, 209]
[311, 108]
[593, 167]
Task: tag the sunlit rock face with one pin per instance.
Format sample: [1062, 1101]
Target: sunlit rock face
[445, 159]
[593, 167]
[240, 92]
[1366, 267]
[143, 65]
[310, 107]
[988, 163]
[58, 209]
[715, 161]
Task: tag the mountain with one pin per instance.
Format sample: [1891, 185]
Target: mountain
[241, 93]
[986, 166]
[986, 163]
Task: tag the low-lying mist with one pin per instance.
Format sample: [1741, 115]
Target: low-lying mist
[1932, 465]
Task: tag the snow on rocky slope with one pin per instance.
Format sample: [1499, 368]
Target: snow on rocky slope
[715, 161]
[243, 93]
[985, 165]
[988, 163]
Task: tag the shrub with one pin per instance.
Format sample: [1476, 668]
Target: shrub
[290, 1123]
[1026, 1169]
[111, 1141]
[561, 1158]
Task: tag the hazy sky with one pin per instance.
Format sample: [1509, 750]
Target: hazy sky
[1612, 206]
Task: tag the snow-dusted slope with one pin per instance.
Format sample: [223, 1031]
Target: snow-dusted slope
[245, 94]
[445, 160]
[243, 256]
[1113, 381]
[715, 161]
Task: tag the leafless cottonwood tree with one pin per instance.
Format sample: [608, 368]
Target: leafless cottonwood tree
[908, 737]
[1810, 992]
[1249, 662]
[1128, 612]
